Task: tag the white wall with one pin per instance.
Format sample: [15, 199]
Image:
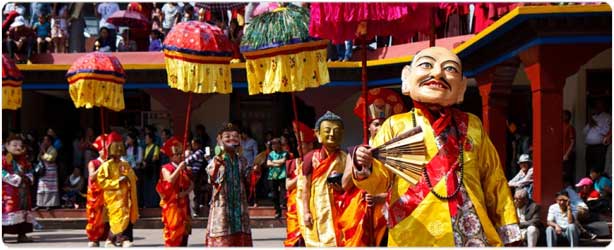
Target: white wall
[353, 126]
[574, 99]
[212, 113]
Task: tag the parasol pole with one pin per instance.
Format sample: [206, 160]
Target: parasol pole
[14, 119]
[104, 138]
[187, 122]
[433, 35]
[298, 137]
[363, 52]
[368, 220]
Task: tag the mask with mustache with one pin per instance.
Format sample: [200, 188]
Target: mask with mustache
[435, 77]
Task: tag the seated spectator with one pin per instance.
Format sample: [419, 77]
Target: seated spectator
[561, 222]
[524, 178]
[602, 184]
[43, 34]
[59, 30]
[124, 43]
[39, 9]
[20, 39]
[156, 20]
[578, 207]
[188, 13]
[587, 193]
[597, 204]
[202, 15]
[105, 41]
[528, 216]
[72, 188]
[155, 40]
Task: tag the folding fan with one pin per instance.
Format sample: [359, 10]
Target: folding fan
[404, 155]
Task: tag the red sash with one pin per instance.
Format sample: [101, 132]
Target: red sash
[445, 162]
[324, 165]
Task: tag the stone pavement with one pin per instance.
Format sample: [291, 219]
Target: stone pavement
[262, 237]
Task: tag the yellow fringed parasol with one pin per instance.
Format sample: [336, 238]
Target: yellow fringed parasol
[280, 55]
[197, 57]
[97, 79]
[11, 84]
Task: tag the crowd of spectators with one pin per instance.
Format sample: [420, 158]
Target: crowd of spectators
[44, 27]
[583, 209]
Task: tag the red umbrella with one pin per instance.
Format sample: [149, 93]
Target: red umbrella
[11, 84]
[197, 57]
[129, 18]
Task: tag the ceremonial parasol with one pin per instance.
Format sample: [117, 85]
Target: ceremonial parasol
[347, 21]
[197, 57]
[97, 79]
[281, 56]
[11, 84]
[129, 18]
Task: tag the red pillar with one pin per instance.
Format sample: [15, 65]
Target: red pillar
[495, 95]
[547, 67]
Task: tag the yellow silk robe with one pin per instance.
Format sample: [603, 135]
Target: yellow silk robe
[119, 197]
[292, 225]
[324, 232]
[429, 224]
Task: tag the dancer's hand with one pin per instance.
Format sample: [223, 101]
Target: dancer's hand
[307, 219]
[364, 157]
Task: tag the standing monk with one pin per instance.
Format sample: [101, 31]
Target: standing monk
[174, 186]
[118, 183]
[17, 180]
[320, 208]
[97, 227]
[363, 221]
[462, 198]
[228, 172]
[294, 237]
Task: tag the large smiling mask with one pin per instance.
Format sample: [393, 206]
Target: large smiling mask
[435, 77]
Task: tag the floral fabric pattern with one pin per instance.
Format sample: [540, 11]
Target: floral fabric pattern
[468, 231]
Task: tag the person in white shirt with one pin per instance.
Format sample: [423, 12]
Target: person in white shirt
[524, 178]
[104, 11]
[170, 17]
[598, 133]
[561, 222]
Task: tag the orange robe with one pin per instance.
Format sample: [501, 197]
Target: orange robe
[293, 230]
[353, 220]
[175, 210]
[95, 229]
[324, 201]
